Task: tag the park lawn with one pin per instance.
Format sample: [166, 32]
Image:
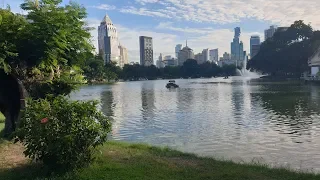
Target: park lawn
[123, 161]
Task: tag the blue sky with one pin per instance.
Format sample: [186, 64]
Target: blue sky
[205, 23]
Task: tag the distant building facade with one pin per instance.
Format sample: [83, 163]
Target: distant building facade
[178, 49]
[314, 63]
[214, 55]
[237, 53]
[169, 62]
[254, 45]
[198, 57]
[268, 33]
[160, 63]
[108, 41]
[185, 54]
[123, 56]
[205, 56]
[168, 57]
[146, 51]
[226, 56]
[255, 50]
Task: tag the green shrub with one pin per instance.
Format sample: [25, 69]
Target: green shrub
[60, 133]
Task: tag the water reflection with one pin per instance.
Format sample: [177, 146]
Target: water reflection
[147, 101]
[237, 119]
[107, 103]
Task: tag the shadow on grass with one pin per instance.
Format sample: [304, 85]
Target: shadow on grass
[32, 171]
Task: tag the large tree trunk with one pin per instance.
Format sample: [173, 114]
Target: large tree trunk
[12, 95]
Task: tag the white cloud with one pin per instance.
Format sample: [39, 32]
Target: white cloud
[105, 7]
[282, 12]
[143, 12]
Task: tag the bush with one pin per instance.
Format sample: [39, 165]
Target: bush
[60, 133]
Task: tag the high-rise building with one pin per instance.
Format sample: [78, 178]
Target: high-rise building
[123, 56]
[185, 54]
[226, 56]
[178, 49]
[205, 56]
[160, 63]
[214, 55]
[268, 33]
[198, 57]
[254, 43]
[108, 41]
[146, 51]
[237, 47]
[255, 50]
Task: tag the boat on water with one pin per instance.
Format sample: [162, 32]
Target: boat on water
[172, 84]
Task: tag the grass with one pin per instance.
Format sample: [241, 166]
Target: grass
[2, 118]
[122, 161]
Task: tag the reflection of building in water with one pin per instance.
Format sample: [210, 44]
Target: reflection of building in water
[185, 99]
[147, 100]
[107, 103]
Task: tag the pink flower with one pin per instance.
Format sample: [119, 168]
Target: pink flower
[44, 120]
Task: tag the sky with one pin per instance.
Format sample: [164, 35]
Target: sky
[204, 23]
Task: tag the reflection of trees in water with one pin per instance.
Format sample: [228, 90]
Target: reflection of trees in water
[289, 107]
[107, 105]
[147, 100]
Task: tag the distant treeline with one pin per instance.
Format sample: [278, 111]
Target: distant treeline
[95, 71]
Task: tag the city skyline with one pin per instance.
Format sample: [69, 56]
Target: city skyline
[209, 24]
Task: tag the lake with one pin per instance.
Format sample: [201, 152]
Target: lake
[275, 123]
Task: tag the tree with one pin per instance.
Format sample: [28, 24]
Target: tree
[190, 68]
[56, 37]
[11, 27]
[94, 69]
[45, 49]
[286, 53]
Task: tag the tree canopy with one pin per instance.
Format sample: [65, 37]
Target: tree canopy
[287, 52]
[49, 44]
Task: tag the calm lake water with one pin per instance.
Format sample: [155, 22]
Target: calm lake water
[277, 123]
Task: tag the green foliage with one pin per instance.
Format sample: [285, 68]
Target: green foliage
[60, 133]
[11, 27]
[55, 35]
[2, 118]
[189, 69]
[287, 52]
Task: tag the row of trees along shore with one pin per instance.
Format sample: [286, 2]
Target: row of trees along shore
[287, 52]
[96, 71]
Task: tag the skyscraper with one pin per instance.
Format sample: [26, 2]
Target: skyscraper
[254, 45]
[205, 56]
[178, 49]
[237, 47]
[214, 55]
[146, 51]
[185, 54]
[123, 55]
[268, 33]
[108, 41]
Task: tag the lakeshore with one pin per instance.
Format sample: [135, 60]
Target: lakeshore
[122, 161]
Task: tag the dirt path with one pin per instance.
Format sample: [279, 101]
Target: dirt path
[11, 155]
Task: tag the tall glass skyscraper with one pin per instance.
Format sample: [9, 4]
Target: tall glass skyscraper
[237, 47]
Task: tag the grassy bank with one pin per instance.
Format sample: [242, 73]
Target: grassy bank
[1, 118]
[122, 161]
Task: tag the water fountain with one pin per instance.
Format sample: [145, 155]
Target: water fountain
[245, 73]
